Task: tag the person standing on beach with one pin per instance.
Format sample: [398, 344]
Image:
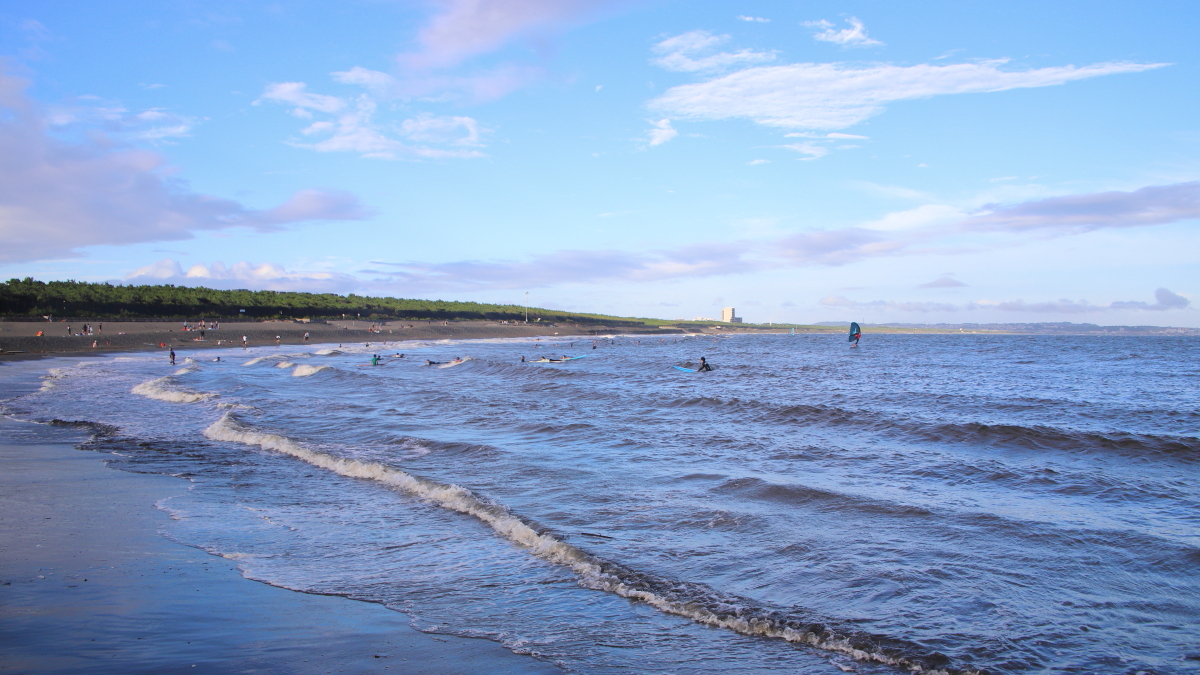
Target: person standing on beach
[243, 342]
[172, 356]
[306, 336]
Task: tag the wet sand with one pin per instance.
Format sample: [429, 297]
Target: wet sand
[19, 339]
[88, 585]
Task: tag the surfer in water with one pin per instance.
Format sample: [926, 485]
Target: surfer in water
[704, 367]
[855, 333]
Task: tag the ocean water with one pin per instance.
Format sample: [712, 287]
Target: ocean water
[933, 503]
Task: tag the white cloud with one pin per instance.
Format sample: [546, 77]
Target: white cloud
[353, 127]
[1152, 205]
[854, 36]
[427, 128]
[468, 28]
[263, 276]
[813, 151]
[926, 215]
[296, 93]
[693, 52]
[380, 84]
[153, 125]
[662, 132]
[753, 19]
[837, 95]
[57, 197]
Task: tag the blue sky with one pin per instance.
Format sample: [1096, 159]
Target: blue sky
[917, 162]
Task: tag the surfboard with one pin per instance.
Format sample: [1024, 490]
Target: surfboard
[686, 370]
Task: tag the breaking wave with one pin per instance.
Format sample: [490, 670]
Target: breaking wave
[306, 370]
[159, 390]
[693, 601]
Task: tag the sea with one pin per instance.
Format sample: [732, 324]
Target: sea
[920, 503]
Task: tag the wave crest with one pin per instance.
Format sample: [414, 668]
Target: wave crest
[692, 601]
[158, 390]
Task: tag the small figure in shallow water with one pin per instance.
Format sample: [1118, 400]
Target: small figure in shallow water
[703, 366]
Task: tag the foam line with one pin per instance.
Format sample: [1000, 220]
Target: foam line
[304, 370]
[692, 601]
[157, 389]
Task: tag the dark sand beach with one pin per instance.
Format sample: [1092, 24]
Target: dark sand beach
[90, 586]
[19, 339]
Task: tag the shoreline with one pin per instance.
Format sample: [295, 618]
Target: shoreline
[18, 340]
[90, 585]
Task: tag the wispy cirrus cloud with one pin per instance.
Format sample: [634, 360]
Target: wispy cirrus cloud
[570, 266]
[925, 230]
[696, 51]
[459, 32]
[854, 36]
[462, 29]
[1152, 205]
[58, 196]
[828, 96]
[349, 125]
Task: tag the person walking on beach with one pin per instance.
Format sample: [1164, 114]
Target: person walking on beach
[306, 336]
[243, 342]
[172, 356]
[704, 367]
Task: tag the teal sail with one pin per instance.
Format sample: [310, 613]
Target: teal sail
[855, 332]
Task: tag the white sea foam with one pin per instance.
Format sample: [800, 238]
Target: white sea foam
[326, 352]
[306, 370]
[159, 390]
[255, 360]
[284, 364]
[589, 569]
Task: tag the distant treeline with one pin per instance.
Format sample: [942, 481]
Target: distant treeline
[26, 297]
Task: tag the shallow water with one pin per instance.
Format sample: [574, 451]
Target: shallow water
[946, 503]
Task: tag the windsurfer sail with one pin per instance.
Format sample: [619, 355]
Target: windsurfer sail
[855, 333]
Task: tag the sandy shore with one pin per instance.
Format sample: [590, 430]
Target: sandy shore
[88, 585]
[19, 340]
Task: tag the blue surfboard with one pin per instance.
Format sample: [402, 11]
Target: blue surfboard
[686, 370]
